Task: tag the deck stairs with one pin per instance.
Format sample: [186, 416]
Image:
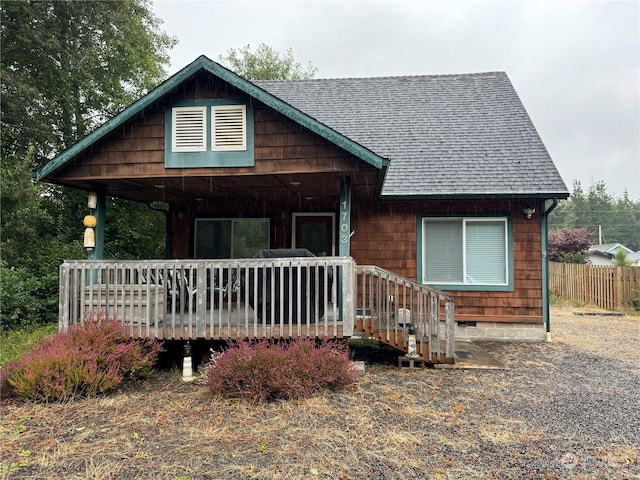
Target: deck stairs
[389, 306]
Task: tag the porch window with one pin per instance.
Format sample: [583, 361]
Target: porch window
[209, 133]
[230, 237]
[467, 252]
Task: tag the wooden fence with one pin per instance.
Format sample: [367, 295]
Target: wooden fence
[611, 288]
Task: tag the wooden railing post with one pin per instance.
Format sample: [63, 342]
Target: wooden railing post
[349, 297]
[450, 349]
[63, 301]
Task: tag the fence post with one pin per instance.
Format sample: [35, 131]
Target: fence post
[617, 294]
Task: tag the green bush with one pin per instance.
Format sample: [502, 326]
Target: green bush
[86, 360]
[270, 370]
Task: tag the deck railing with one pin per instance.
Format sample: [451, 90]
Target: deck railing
[324, 297]
[388, 305]
[214, 299]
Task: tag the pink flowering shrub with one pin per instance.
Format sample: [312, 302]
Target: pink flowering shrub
[269, 370]
[86, 360]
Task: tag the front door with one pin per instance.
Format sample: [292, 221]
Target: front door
[315, 232]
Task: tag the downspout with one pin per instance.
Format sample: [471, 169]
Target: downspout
[545, 269]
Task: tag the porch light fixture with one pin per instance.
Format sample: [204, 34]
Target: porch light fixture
[295, 184]
[529, 212]
[159, 186]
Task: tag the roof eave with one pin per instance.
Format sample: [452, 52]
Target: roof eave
[479, 196]
[204, 63]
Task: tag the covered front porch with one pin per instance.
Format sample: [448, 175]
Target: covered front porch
[278, 297]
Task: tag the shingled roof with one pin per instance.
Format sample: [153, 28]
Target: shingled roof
[461, 135]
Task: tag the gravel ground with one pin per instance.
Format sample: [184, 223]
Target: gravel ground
[561, 410]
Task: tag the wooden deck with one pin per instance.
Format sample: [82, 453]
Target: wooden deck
[310, 297]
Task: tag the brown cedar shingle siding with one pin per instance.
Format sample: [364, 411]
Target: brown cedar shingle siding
[385, 235]
[281, 146]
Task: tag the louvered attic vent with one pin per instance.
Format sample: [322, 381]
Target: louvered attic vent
[229, 128]
[189, 129]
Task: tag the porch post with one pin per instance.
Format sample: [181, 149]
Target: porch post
[344, 236]
[345, 217]
[101, 206]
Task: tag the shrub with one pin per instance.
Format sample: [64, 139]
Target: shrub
[86, 360]
[270, 370]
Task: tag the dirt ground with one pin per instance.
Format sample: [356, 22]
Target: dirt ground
[561, 410]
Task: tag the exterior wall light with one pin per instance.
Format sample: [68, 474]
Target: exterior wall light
[529, 212]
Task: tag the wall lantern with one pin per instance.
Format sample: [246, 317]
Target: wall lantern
[529, 212]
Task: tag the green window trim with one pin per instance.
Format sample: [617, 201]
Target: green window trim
[208, 156]
[471, 220]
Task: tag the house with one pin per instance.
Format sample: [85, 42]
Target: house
[604, 254]
[416, 193]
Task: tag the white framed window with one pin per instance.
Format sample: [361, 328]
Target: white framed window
[228, 127]
[189, 129]
[230, 237]
[465, 251]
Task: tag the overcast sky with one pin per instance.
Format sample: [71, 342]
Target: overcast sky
[575, 65]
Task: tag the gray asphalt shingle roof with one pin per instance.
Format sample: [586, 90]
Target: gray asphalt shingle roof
[465, 134]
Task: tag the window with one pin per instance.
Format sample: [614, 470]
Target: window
[466, 251]
[209, 133]
[230, 238]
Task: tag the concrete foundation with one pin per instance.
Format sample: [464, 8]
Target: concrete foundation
[531, 332]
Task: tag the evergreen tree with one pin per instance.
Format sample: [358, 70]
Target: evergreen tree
[617, 219]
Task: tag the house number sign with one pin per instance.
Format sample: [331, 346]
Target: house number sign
[345, 216]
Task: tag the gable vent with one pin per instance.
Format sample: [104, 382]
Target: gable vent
[229, 127]
[189, 129]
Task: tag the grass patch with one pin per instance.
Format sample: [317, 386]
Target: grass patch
[16, 342]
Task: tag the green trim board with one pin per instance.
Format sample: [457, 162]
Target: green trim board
[344, 221]
[166, 87]
[508, 287]
[478, 196]
[209, 158]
